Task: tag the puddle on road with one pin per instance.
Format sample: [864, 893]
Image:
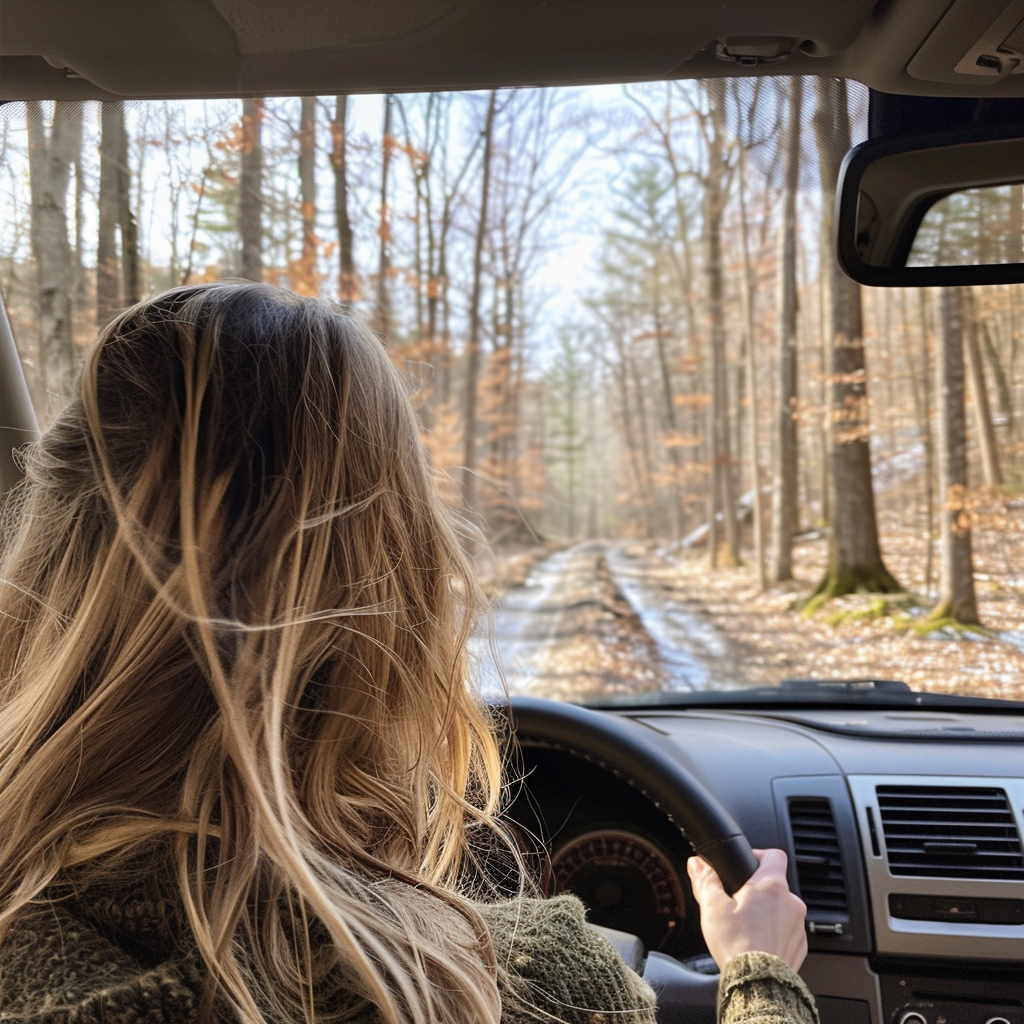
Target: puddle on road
[690, 649]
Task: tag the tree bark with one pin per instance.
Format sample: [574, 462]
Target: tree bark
[668, 397]
[634, 451]
[81, 289]
[979, 393]
[723, 501]
[419, 167]
[308, 282]
[382, 310]
[785, 507]
[927, 435]
[50, 159]
[855, 557]
[250, 191]
[348, 287]
[130, 272]
[473, 341]
[1002, 384]
[957, 598]
[748, 294]
[108, 292]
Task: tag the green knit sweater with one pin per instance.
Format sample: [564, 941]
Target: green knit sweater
[106, 960]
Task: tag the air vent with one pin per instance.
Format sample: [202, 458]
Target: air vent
[819, 867]
[950, 832]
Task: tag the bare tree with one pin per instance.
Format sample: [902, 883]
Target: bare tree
[131, 285]
[419, 167]
[382, 309]
[50, 156]
[957, 598]
[979, 394]
[439, 215]
[108, 292]
[716, 183]
[348, 286]
[785, 496]
[473, 340]
[748, 295]
[855, 557]
[530, 165]
[250, 190]
[309, 279]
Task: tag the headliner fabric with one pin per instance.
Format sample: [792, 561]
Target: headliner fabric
[287, 26]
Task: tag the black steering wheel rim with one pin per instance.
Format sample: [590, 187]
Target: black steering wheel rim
[625, 748]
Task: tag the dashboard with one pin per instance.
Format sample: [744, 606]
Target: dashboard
[903, 829]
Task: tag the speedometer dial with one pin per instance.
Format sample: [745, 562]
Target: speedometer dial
[625, 881]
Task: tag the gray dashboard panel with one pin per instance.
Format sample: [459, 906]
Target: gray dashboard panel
[754, 761]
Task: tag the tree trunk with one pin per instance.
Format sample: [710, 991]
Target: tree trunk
[418, 167]
[721, 451]
[748, 294]
[436, 356]
[674, 451]
[250, 191]
[785, 507]
[957, 598]
[75, 119]
[929, 449]
[825, 358]
[855, 558]
[108, 293]
[308, 282]
[999, 373]
[979, 393]
[621, 376]
[382, 311]
[130, 273]
[49, 176]
[445, 342]
[348, 288]
[473, 341]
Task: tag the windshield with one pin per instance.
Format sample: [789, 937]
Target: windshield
[693, 457]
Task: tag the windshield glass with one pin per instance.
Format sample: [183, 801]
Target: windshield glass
[693, 455]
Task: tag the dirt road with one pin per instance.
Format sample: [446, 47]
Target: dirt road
[602, 620]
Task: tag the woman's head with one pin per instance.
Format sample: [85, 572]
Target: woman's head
[233, 610]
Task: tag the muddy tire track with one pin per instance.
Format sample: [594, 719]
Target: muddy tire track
[599, 620]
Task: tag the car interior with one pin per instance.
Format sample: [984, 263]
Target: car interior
[901, 811]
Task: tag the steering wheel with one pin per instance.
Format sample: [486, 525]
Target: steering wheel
[628, 750]
[631, 751]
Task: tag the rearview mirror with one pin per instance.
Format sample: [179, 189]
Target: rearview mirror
[933, 210]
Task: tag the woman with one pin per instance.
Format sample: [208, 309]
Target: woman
[242, 776]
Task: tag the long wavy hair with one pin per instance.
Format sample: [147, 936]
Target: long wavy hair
[233, 625]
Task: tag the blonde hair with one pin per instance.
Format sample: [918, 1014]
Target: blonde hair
[233, 621]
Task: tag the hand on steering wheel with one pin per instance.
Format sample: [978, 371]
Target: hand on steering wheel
[763, 915]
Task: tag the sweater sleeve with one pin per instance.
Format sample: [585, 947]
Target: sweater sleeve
[557, 968]
[55, 969]
[758, 988]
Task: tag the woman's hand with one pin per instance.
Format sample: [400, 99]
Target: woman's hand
[762, 916]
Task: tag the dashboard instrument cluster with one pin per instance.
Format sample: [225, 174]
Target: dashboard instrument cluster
[913, 876]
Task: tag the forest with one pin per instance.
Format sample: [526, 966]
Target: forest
[623, 328]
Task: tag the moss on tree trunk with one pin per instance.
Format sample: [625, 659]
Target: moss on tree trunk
[839, 580]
